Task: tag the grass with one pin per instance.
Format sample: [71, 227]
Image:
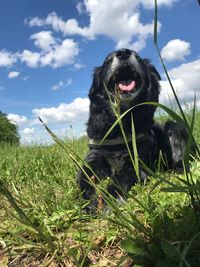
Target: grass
[42, 221]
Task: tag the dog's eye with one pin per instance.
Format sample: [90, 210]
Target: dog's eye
[107, 62]
[139, 59]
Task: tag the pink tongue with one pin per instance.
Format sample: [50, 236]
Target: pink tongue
[127, 85]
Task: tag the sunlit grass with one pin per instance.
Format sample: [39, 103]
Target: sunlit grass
[42, 213]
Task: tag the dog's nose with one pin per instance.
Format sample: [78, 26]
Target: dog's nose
[123, 53]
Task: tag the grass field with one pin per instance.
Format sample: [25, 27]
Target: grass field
[43, 223]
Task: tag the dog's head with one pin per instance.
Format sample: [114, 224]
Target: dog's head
[126, 75]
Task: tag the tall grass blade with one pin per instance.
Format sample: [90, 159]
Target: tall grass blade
[115, 124]
[155, 23]
[186, 250]
[168, 78]
[178, 119]
[75, 157]
[116, 109]
[190, 139]
[24, 219]
[169, 111]
[134, 144]
[12, 201]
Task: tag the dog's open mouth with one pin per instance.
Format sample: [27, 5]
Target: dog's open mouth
[125, 81]
[126, 86]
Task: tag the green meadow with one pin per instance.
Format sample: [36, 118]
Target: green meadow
[43, 222]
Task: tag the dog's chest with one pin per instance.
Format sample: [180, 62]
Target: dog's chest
[117, 161]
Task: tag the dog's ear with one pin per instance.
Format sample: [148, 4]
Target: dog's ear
[152, 69]
[96, 83]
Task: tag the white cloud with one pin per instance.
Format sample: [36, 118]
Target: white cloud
[57, 54]
[27, 139]
[151, 3]
[61, 84]
[28, 131]
[57, 86]
[25, 78]
[121, 23]
[43, 40]
[34, 22]
[69, 82]
[186, 81]
[17, 119]
[61, 54]
[7, 59]
[80, 7]
[13, 74]
[72, 112]
[78, 66]
[38, 135]
[70, 27]
[32, 59]
[32, 136]
[176, 50]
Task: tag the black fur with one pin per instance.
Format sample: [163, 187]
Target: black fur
[123, 66]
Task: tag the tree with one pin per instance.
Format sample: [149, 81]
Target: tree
[8, 131]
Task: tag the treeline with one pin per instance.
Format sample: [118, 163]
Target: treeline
[8, 131]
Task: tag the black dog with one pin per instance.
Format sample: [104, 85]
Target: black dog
[130, 80]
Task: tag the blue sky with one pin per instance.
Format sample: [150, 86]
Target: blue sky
[48, 50]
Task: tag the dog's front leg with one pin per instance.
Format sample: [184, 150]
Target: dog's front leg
[95, 169]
